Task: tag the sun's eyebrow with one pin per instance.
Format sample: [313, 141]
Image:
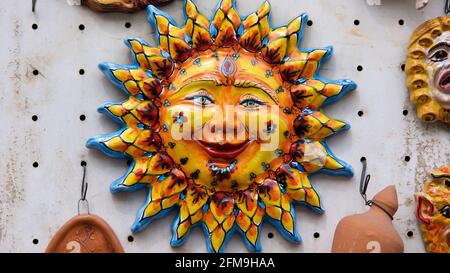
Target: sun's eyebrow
[248, 84]
[239, 83]
[204, 79]
[201, 91]
[440, 44]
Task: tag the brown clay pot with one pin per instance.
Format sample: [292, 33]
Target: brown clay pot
[370, 232]
[85, 233]
[122, 5]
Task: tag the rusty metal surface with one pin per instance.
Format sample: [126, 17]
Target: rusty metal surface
[36, 201]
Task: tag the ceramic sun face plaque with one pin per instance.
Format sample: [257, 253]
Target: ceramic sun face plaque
[223, 123]
[433, 211]
[428, 70]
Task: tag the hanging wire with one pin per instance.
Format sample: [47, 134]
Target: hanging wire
[33, 5]
[363, 184]
[84, 188]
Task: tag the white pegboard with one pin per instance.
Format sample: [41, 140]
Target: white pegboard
[36, 201]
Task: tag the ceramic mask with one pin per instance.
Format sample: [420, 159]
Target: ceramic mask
[428, 70]
[433, 211]
[223, 122]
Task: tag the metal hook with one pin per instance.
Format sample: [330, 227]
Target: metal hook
[364, 182]
[84, 188]
[447, 6]
[33, 5]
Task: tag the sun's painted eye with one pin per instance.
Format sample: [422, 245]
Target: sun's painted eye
[439, 56]
[251, 103]
[201, 100]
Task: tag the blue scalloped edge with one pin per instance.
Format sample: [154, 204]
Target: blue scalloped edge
[106, 68]
[152, 11]
[140, 224]
[212, 29]
[345, 128]
[293, 238]
[118, 186]
[95, 143]
[126, 41]
[346, 171]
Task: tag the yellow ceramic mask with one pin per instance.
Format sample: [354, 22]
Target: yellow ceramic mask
[428, 70]
[433, 211]
[223, 123]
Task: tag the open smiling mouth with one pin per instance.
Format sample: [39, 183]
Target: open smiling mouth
[226, 151]
[444, 82]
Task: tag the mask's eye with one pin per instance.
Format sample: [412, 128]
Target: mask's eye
[445, 211]
[251, 103]
[439, 56]
[201, 100]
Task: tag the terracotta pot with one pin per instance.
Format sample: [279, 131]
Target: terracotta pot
[370, 232]
[85, 233]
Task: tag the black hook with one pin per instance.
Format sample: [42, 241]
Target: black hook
[84, 185]
[363, 184]
[33, 5]
[84, 188]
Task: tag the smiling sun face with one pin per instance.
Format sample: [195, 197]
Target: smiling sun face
[223, 123]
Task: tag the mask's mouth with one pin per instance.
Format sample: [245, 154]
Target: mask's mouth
[444, 81]
[226, 151]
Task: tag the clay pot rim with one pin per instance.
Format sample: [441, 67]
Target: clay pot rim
[92, 218]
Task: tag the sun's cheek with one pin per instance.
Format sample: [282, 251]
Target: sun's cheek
[187, 120]
[432, 68]
[268, 130]
[268, 125]
[182, 125]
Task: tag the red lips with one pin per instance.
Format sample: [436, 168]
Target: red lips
[225, 151]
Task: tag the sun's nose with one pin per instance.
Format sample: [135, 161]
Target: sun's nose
[227, 128]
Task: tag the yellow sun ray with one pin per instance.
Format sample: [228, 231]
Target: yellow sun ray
[163, 195]
[144, 171]
[317, 126]
[315, 156]
[226, 22]
[278, 208]
[191, 213]
[197, 27]
[298, 187]
[133, 81]
[256, 29]
[315, 93]
[249, 217]
[219, 220]
[133, 112]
